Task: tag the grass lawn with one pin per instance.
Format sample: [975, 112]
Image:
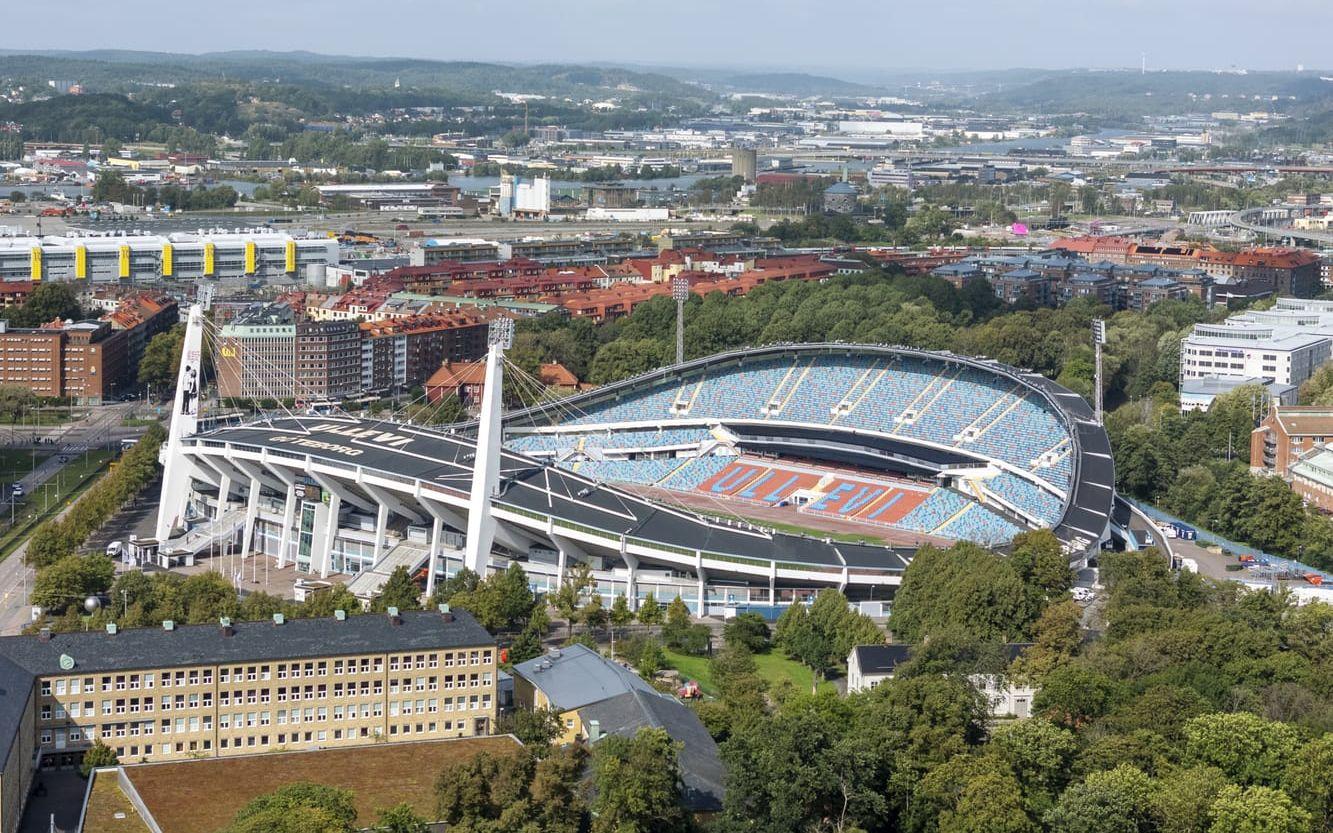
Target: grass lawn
[794, 529]
[773, 667]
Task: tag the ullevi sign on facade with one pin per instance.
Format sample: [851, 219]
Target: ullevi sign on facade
[385, 438]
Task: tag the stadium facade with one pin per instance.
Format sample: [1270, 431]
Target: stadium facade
[921, 445]
[146, 257]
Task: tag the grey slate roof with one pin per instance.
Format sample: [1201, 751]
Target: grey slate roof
[98, 651]
[579, 676]
[24, 658]
[702, 772]
[15, 690]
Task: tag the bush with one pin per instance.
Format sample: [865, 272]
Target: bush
[748, 630]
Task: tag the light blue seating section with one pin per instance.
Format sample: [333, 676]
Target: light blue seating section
[647, 471]
[666, 437]
[979, 524]
[1010, 424]
[933, 511]
[1026, 494]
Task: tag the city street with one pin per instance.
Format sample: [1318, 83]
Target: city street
[102, 425]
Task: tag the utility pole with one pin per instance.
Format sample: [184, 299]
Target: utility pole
[680, 292]
[1098, 339]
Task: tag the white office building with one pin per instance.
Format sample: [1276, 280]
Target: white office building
[1247, 350]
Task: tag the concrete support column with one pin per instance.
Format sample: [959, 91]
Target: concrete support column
[632, 587]
[251, 515]
[381, 529]
[560, 564]
[288, 519]
[326, 548]
[436, 530]
[699, 571]
[224, 496]
[773, 583]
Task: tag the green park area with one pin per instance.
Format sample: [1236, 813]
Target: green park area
[772, 667]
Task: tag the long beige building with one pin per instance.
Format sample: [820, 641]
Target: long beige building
[174, 693]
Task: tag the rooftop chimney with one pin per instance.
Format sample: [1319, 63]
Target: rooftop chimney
[111, 628]
[227, 629]
[340, 614]
[394, 617]
[594, 730]
[44, 634]
[278, 618]
[445, 613]
[168, 625]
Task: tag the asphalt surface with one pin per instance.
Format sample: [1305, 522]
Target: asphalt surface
[100, 426]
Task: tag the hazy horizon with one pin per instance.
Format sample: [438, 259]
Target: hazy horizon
[744, 35]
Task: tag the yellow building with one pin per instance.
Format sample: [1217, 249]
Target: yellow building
[174, 693]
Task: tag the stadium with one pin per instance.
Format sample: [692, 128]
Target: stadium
[742, 481]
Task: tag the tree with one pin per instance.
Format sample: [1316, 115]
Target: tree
[748, 630]
[502, 792]
[637, 784]
[1249, 749]
[501, 602]
[533, 727]
[620, 614]
[963, 587]
[1309, 779]
[99, 755]
[1039, 753]
[989, 803]
[399, 591]
[650, 612]
[1183, 797]
[302, 807]
[568, 599]
[1115, 801]
[161, 360]
[49, 301]
[401, 818]
[1256, 810]
[1072, 695]
[70, 580]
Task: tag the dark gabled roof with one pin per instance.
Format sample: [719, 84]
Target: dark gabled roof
[880, 659]
[15, 691]
[134, 648]
[701, 768]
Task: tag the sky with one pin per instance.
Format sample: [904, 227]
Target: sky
[852, 38]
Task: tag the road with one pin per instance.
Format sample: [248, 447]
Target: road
[102, 425]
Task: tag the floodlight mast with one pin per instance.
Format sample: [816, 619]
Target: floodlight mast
[680, 292]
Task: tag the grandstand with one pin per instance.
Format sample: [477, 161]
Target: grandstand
[986, 450]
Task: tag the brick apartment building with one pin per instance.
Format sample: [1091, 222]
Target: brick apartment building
[400, 354]
[89, 361]
[1288, 432]
[268, 354]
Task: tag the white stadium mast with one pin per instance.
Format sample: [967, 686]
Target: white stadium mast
[184, 423]
[486, 464]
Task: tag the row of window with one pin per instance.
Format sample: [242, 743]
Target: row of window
[252, 673]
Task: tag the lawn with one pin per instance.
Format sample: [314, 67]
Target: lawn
[773, 667]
